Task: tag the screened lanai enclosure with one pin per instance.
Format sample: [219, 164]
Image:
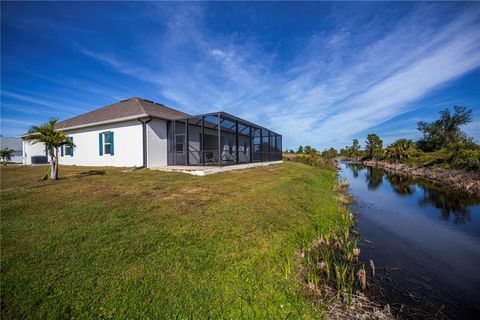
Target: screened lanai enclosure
[220, 139]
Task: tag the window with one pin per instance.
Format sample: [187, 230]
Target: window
[68, 149]
[245, 145]
[180, 142]
[230, 146]
[106, 143]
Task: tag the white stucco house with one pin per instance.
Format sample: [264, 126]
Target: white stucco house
[142, 133]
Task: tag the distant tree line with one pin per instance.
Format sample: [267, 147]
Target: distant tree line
[443, 144]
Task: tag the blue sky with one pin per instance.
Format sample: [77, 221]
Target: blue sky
[319, 73]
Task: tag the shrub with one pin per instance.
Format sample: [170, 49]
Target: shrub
[440, 158]
[330, 153]
[400, 150]
[466, 159]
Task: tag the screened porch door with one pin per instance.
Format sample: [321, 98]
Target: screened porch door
[180, 150]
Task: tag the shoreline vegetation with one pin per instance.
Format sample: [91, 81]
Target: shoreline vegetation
[444, 155]
[361, 305]
[458, 180]
[333, 274]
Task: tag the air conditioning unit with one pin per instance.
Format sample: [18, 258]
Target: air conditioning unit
[39, 159]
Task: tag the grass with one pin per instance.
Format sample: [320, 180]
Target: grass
[102, 243]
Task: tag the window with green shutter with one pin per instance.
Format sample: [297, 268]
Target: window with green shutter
[106, 143]
[68, 149]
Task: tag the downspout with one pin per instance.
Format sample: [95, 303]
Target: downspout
[144, 135]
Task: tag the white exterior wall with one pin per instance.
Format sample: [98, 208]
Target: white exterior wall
[157, 143]
[128, 146]
[32, 149]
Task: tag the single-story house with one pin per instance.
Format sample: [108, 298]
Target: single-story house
[143, 133]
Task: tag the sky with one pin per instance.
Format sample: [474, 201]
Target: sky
[319, 73]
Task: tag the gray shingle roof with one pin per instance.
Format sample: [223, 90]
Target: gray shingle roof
[129, 108]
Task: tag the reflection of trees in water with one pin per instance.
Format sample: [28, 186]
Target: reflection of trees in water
[355, 168]
[402, 185]
[374, 178]
[448, 202]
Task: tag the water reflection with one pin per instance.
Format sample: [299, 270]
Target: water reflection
[402, 185]
[374, 178]
[450, 204]
[355, 169]
[424, 239]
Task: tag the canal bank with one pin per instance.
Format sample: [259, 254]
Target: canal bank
[464, 181]
[424, 241]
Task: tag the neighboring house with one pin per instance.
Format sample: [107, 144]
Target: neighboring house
[139, 132]
[14, 144]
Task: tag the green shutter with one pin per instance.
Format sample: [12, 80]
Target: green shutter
[111, 144]
[61, 150]
[71, 148]
[100, 143]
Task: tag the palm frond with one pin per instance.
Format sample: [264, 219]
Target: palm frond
[47, 134]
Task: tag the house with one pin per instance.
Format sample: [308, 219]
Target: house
[14, 144]
[142, 133]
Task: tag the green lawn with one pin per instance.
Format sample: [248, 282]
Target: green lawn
[150, 244]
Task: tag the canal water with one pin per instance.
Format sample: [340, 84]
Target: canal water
[424, 241]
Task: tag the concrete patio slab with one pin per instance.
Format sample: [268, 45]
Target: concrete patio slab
[206, 170]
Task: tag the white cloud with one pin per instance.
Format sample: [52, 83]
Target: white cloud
[331, 90]
[67, 107]
[217, 53]
[9, 122]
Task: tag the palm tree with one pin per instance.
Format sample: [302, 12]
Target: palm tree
[6, 154]
[374, 146]
[53, 140]
[401, 149]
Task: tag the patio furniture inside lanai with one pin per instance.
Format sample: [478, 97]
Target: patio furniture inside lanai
[219, 139]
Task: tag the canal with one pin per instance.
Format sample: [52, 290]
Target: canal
[424, 241]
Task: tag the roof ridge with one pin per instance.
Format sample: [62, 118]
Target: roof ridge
[157, 104]
[140, 103]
